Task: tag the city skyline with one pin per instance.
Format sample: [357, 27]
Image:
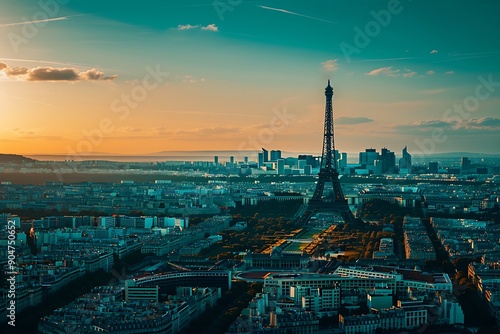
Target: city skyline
[84, 78]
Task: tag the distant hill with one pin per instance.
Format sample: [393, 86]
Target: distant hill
[14, 159]
[201, 152]
[459, 154]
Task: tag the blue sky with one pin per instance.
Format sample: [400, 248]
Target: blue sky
[248, 74]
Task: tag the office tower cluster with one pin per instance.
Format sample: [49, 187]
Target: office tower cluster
[273, 162]
[373, 162]
[370, 162]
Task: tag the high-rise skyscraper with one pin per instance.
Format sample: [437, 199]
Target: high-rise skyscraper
[368, 157]
[301, 164]
[310, 160]
[405, 161]
[433, 167]
[465, 165]
[261, 159]
[265, 154]
[388, 160]
[275, 155]
[307, 169]
[342, 162]
[280, 166]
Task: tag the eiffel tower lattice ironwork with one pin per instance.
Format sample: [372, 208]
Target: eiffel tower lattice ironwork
[328, 171]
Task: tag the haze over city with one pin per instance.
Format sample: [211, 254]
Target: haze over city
[93, 76]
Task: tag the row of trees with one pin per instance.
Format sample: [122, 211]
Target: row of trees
[264, 228]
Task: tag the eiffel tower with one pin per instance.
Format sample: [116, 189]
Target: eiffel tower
[328, 172]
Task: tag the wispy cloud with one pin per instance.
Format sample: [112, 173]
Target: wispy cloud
[483, 122]
[390, 71]
[476, 53]
[434, 51]
[53, 74]
[422, 126]
[465, 56]
[208, 133]
[38, 61]
[209, 27]
[430, 72]
[160, 130]
[352, 120]
[131, 129]
[297, 14]
[450, 72]
[205, 113]
[24, 131]
[385, 59]
[25, 99]
[460, 58]
[409, 74]
[330, 65]
[386, 71]
[451, 126]
[191, 79]
[34, 134]
[61, 18]
[187, 27]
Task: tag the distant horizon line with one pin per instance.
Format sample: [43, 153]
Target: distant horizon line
[231, 152]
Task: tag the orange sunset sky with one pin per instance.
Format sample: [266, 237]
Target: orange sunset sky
[91, 77]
